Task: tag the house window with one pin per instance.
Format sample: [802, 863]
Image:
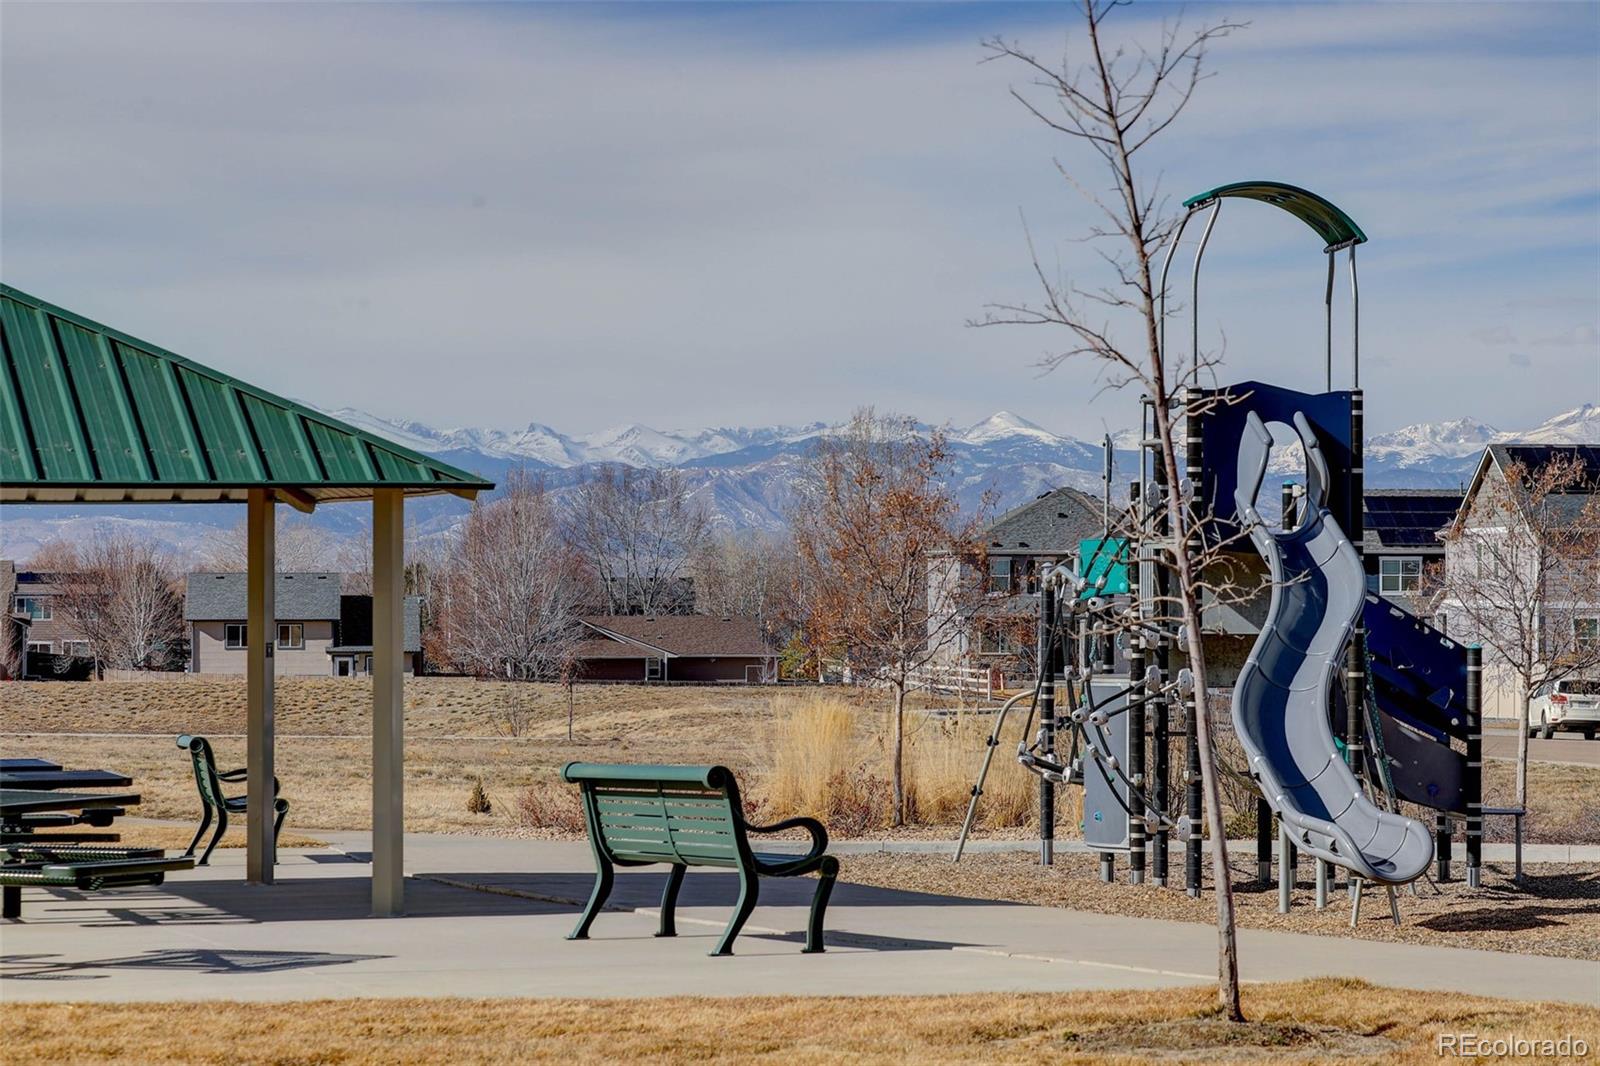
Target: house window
[1586, 632]
[652, 669]
[35, 608]
[41, 647]
[366, 665]
[77, 649]
[1401, 574]
[1000, 573]
[235, 635]
[291, 636]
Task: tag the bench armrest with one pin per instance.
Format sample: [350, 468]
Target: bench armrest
[243, 772]
[819, 832]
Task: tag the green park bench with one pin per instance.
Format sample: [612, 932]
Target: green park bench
[214, 802]
[639, 815]
[87, 869]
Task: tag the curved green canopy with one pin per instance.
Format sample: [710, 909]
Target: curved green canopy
[1336, 228]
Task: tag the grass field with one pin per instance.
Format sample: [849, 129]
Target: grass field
[1332, 1021]
[458, 730]
[514, 736]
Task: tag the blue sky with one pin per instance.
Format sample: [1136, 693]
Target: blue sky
[721, 214]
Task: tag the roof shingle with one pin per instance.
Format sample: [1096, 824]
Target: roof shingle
[686, 634]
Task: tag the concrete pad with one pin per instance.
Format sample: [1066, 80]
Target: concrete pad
[207, 935]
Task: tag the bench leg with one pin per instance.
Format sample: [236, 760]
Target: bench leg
[205, 823]
[741, 912]
[12, 907]
[602, 889]
[819, 905]
[669, 901]
[222, 827]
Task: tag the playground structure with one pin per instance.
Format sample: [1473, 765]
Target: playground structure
[1346, 704]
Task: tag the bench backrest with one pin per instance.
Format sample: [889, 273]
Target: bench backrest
[205, 768]
[647, 814]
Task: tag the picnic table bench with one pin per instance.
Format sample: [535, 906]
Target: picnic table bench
[639, 815]
[43, 862]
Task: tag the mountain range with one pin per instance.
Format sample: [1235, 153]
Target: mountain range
[744, 476]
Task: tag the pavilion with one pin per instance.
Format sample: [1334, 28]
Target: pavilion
[91, 415]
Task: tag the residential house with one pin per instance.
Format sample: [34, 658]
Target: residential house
[49, 641]
[1571, 597]
[1400, 544]
[1018, 547]
[693, 647]
[321, 632]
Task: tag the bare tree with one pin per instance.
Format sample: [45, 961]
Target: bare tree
[638, 530]
[1522, 577]
[871, 519]
[750, 575]
[298, 545]
[124, 597]
[1115, 103]
[505, 596]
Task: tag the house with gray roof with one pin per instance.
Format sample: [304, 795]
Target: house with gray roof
[1400, 544]
[1569, 601]
[1018, 548]
[321, 631]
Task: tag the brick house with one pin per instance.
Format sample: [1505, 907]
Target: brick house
[321, 632]
[692, 647]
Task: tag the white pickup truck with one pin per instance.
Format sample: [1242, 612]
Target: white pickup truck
[1571, 704]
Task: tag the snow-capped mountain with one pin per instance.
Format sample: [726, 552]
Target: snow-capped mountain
[1581, 425]
[745, 476]
[1431, 444]
[538, 444]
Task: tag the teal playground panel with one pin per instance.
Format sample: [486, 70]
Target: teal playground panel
[1104, 556]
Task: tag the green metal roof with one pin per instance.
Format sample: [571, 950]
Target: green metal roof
[1336, 228]
[88, 413]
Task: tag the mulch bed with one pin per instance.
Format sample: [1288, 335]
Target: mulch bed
[1556, 912]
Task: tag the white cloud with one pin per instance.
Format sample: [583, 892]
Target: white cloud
[472, 215]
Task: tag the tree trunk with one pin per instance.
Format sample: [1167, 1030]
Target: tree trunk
[897, 757]
[1522, 746]
[1221, 876]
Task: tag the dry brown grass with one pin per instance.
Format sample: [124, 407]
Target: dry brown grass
[827, 758]
[1326, 1020]
[778, 743]
[324, 754]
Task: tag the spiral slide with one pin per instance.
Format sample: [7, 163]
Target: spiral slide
[1280, 703]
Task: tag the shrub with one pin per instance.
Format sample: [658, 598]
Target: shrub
[544, 805]
[478, 799]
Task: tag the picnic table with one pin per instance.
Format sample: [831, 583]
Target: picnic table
[20, 801]
[42, 861]
[28, 764]
[43, 803]
[51, 779]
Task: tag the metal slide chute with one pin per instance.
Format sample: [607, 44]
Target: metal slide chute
[1281, 700]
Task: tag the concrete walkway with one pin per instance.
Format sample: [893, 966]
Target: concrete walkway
[205, 935]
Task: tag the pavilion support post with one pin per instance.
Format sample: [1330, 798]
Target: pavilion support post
[260, 635]
[388, 703]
